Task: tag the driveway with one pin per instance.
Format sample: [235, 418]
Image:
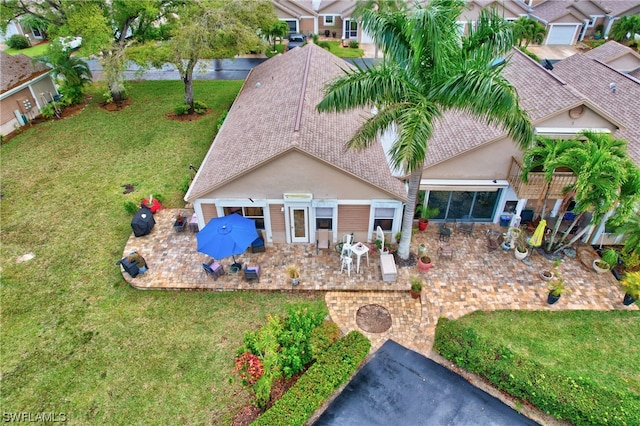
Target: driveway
[401, 387]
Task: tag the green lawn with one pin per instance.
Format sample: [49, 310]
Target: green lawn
[601, 346]
[37, 50]
[344, 52]
[75, 337]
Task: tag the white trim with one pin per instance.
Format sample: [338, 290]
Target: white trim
[329, 24]
[568, 130]
[501, 183]
[397, 216]
[24, 85]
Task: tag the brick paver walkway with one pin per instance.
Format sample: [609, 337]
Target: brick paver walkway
[475, 279]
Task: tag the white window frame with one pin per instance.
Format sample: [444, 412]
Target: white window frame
[396, 225]
[329, 23]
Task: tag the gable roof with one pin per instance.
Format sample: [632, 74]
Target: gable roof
[593, 78]
[18, 69]
[619, 7]
[610, 51]
[275, 113]
[551, 11]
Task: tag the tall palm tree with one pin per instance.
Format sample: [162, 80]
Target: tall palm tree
[528, 30]
[547, 154]
[71, 72]
[381, 6]
[625, 28]
[429, 67]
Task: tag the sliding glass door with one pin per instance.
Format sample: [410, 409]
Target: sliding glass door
[480, 205]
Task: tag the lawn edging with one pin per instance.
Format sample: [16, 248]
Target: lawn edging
[577, 400]
[334, 367]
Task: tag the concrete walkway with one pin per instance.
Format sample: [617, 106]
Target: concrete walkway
[475, 279]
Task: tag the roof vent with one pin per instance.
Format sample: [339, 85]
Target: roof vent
[613, 87]
[547, 64]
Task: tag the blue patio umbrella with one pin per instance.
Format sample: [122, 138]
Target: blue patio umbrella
[226, 236]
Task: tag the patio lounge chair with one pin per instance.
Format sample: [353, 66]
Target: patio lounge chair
[322, 240]
[257, 245]
[213, 269]
[252, 272]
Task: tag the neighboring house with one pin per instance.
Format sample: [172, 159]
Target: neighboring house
[619, 57]
[25, 87]
[14, 27]
[278, 161]
[509, 10]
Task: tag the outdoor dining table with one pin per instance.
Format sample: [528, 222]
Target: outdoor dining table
[359, 249]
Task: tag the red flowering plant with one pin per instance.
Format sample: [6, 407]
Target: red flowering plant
[249, 368]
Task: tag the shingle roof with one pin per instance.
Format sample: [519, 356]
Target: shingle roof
[553, 9]
[617, 7]
[17, 69]
[593, 78]
[540, 92]
[609, 51]
[261, 124]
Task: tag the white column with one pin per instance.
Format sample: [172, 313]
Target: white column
[515, 219]
[556, 208]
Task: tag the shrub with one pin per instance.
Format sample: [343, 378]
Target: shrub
[324, 44]
[18, 41]
[50, 110]
[322, 337]
[353, 44]
[199, 107]
[184, 186]
[130, 207]
[320, 381]
[300, 322]
[71, 95]
[182, 109]
[220, 120]
[578, 400]
[249, 368]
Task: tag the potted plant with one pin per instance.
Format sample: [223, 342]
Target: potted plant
[416, 287]
[180, 223]
[609, 260]
[548, 274]
[556, 289]
[424, 263]
[631, 286]
[422, 250]
[521, 250]
[426, 213]
[294, 274]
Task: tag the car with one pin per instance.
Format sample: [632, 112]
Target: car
[296, 40]
[70, 42]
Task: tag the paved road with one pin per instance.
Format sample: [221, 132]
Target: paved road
[401, 387]
[213, 69]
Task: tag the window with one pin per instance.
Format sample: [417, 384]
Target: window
[383, 217]
[324, 218]
[328, 20]
[254, 213]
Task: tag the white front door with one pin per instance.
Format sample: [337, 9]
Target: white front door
[299, 222]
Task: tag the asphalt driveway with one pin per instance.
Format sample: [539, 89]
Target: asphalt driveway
[401, 387]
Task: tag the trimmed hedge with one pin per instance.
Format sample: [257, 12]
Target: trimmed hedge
[577, 400]
[333, 368]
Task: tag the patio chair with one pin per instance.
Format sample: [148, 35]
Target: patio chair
[347, 261]
[322, 240]
[444, 232]
[257, 245]
[252, 272]
[494, 240]
[465, 226]
[445, 251]
[213, 269]
[347, 240]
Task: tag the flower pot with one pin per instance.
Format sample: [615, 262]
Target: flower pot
[520, 255]
[422, 250]
[546, 275]
[597, 268]
[295, 281]
[424, 266]
[551, 299]
[422, 224]
[628, 300]
[415, 295]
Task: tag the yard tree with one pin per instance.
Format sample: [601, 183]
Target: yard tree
[274, 30]
[215, 29]
[380, 6]
[106, 27]
[528, 30]
[429, 67]
[625, 28]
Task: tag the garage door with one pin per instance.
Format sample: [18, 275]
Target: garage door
[562, 34]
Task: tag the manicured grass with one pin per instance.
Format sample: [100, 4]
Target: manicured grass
[37, 50]
[344, 52]
[75, 337]
[603, 346]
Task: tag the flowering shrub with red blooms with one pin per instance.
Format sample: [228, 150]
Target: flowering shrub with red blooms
[249, 368]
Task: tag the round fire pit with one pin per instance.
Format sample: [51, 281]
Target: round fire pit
[373, 318]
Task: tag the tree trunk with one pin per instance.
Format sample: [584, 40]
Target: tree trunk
[113, 64]
[187, 79]
[409, 212]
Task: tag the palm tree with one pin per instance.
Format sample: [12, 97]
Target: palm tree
[528, 30]
[429, 67]
[625, 28]
[607, 179]
[547, 154]
[381, 6]
[71, 72]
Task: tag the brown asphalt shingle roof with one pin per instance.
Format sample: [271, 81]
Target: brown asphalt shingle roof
[260, 125]
[610, 51]
[593, 78]
[17, 69]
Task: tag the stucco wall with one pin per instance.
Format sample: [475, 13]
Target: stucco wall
[297, 172]
[625, 63]
[588, 119]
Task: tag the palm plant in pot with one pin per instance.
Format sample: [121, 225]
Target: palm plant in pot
[424, 263]
[609, 260]
[426, 213]
[416, 287]
[556, 289]
[521, 250]
[548, 274]
[631, 286]
[294, 274]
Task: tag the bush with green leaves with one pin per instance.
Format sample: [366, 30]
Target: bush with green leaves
[324, 44]
[576, 399]
[300, 322]
[18, 41]
[354, 44]
[332, 369]
[131, 207]
[220, 120]
[52, 109]
[182, 109]
[323, 337]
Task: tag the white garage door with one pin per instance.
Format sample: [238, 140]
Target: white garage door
[561, 34]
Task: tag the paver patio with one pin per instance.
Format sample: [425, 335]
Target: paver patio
[475, 279]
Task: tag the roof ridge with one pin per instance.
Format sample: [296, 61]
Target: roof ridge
[303, 90]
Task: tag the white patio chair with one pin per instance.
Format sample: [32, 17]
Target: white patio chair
[347, 240]
[346, 262]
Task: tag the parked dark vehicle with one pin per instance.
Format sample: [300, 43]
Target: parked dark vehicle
[296, 40]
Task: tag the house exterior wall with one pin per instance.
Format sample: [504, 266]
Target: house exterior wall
[306, 26]
[588, 119]
[354, 218]
[626, 63]
[297, 172]
[209, 212]
[277, 222]
[8, 119]
[491, 161]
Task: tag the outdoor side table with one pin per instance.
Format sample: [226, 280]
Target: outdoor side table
[193, 223]
[359, 249]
